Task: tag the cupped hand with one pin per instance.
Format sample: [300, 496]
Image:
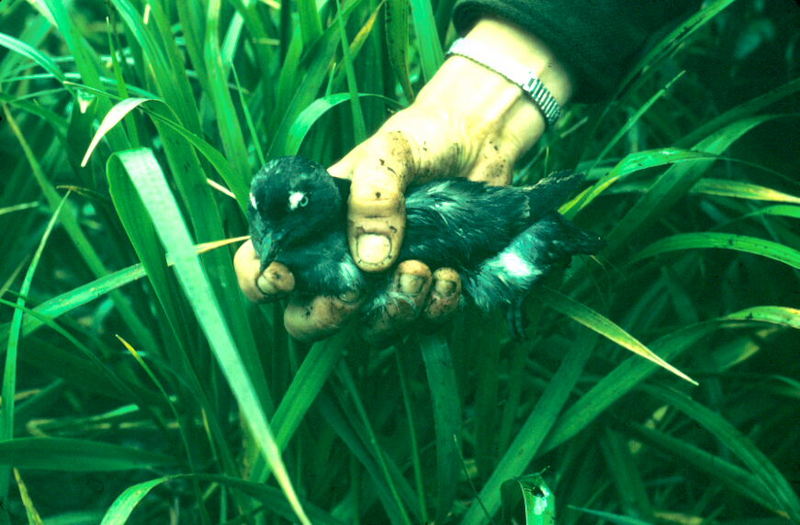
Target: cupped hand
[466, 122]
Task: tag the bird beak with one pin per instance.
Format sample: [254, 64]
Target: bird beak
[273, 243]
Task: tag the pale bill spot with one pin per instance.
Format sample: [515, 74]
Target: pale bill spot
[253, 201]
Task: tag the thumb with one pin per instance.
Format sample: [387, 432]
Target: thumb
[376, 218]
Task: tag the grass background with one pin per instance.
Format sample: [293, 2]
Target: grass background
[139, 385]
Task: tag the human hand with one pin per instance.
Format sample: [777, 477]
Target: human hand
[467, 121]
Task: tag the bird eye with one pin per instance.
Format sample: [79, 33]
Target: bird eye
[303, 202]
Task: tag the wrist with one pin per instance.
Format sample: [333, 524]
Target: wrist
[505, 39]
[486, 103]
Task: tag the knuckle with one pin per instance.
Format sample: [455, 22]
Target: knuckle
[414, 267]
[447, 274]
[376, 199]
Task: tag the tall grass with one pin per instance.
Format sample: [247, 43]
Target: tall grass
[140, 386]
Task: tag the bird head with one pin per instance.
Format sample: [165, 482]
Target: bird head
[292, 201]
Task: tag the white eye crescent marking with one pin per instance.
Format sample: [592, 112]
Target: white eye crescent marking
[297, 199]
[253, 201]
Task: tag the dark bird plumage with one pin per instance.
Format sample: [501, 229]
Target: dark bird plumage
[501, 240]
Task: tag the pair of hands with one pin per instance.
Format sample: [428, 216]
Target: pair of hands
[466, 122]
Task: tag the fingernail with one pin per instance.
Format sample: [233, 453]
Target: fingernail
[445, 288]
[263, 285]
[373, 248]
[411, 284]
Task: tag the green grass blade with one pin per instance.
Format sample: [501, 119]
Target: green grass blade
[531, 435]
[631, 122]
[777, 315]
[744, 449]
[77, 455]
[86, 60]
[620, 381]
[73, 228]
[119, 512]
[30, 508]
[126, 503]
[670, 44]
[112, 118]
[313, 112]
[296, 100]
[779, 210]
[306, 385]
[217, 72]
[446, 416]
[733, 476]
[142, 234]
[310, 22]
[629, 165]
[354, 443]
[742, 190]
[359, 127]
[9, 389]
[397, 40]
[77, 297]
[727, 241]
[412, 435]
[488, 345]
[741, 111]
[623, 468]
[91, 291]
[431, 55]
[540, 502]
[676, 182]
[248, 117]
[379, 454]
[37, 56]
[605, 327]
[612, 518]
[157, 197]
[627, 375]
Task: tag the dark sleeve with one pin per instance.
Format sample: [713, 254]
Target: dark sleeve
[596, 40]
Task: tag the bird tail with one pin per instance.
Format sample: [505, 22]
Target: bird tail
[552, 191]
[508, 276]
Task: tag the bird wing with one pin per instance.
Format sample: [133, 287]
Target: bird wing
[458, 223]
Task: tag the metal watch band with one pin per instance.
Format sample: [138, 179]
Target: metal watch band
[514, 73]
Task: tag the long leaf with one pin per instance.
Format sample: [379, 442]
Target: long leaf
[727, 241]
[77, 455]
[744, 449]
[605, 327]
[626, 376]
[430, 48]
[15, 331]
[533, 432]
[157, 198]
[127, 501]
[34, 54]
[447, 418]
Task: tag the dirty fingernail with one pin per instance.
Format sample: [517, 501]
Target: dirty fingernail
[373, 248]
[445, 288]
[411, 284]
[263, 285]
